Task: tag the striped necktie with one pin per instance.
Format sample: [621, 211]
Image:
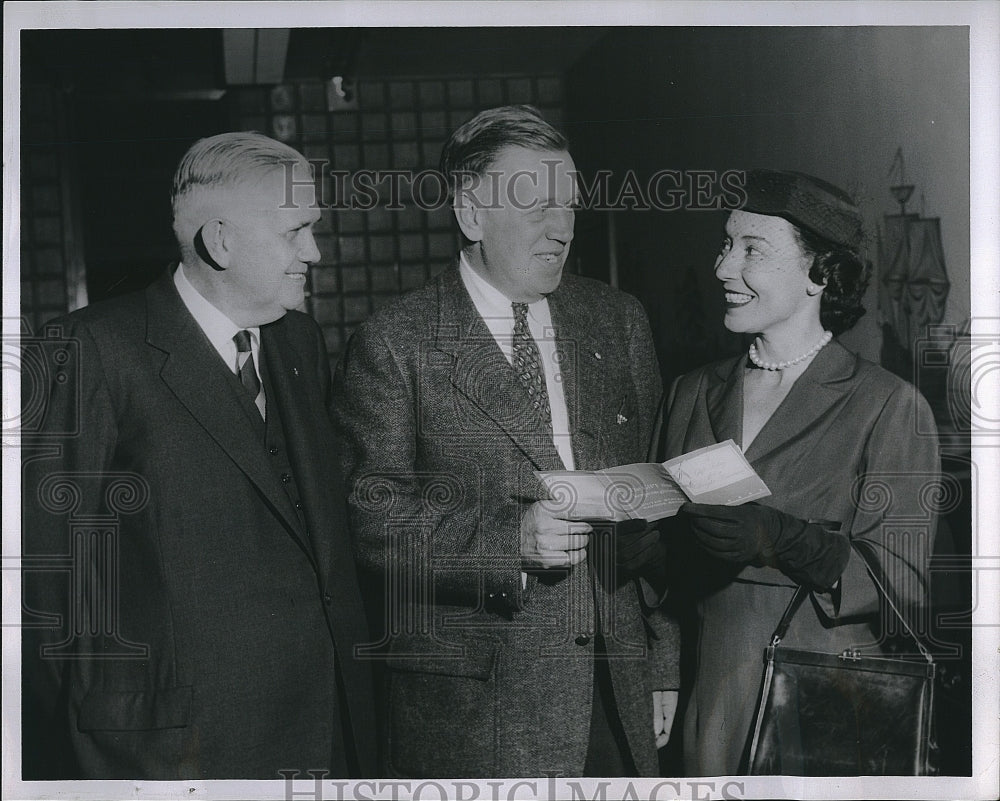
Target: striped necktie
[245, 367]
[528, 364]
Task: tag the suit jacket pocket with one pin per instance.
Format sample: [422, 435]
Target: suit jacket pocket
[167, 708]
[442, 712]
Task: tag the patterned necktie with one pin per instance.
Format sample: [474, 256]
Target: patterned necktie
[528, 364]
[245, 367]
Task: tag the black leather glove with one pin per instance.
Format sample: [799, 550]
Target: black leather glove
[762, 536]
[639, 551]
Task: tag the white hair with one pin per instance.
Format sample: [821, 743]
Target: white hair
[222, 162]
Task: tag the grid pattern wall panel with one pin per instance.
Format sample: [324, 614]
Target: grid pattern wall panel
[387, 243]
[51, 260]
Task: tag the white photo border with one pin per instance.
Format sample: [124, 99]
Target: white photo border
[983, 19]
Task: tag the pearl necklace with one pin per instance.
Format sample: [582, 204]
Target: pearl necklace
[759, 362]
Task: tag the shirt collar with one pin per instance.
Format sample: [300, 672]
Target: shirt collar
[490, 301]
[217, 326]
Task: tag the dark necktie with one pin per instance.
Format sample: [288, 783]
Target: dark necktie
[246, 369]
[528, 364]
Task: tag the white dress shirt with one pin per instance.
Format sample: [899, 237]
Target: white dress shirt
[495, 309]
[219, 329]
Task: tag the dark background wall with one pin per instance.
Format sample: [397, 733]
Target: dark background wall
[834, 102]
[107, 113]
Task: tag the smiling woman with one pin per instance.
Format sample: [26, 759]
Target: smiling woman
[765, 275]
[793, 276]
[823, 428]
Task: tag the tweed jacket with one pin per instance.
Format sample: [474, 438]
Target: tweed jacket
[486, 677]
[227, 617]
[851, 444]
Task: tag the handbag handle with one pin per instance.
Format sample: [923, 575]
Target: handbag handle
[790, 610]
[870, 564]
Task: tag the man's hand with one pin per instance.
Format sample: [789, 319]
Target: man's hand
[550, 541]
[664, 709]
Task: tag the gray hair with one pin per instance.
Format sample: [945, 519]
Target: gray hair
[475, 145]
[226, 159]
[222, 162]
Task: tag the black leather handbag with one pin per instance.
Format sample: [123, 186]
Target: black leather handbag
[845, 714]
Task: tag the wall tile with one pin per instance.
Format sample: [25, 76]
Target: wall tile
[402, 95]
[354, 279]
[431, 94]
[384, 279]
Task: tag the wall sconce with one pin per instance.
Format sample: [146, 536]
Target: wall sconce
[340, 94]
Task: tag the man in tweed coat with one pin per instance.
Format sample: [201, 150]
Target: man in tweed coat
[508, 649]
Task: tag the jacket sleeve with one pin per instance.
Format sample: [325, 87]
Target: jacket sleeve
[895, 499]
[425, 531]
[66, 458]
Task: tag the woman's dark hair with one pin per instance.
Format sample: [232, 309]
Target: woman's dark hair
[845, 275]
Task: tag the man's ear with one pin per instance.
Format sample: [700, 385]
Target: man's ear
[213, 242]
[470, 219]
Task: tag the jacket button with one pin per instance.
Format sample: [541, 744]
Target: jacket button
[285, 478]
[298, 505]
[582, 639]
[328, 598]
[272, 450]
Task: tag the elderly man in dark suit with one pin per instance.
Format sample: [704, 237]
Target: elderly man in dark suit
[513, 644]
[191, 604]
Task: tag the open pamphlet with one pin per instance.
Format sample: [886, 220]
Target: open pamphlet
[717, 474]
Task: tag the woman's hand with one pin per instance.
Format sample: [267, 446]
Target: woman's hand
[639, 551]
[762, 536]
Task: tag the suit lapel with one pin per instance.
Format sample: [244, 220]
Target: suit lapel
[815, 392]
[724, 399]
[196, 375]
[588, 391]
[482, 375]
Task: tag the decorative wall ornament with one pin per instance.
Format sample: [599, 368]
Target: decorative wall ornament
[912, 279]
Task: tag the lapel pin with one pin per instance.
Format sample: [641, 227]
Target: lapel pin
[597, 355]
[295, 371]
[622, 419]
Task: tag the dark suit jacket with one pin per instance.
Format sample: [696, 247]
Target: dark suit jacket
[485, 679]
[850, 443]
[213, 643]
